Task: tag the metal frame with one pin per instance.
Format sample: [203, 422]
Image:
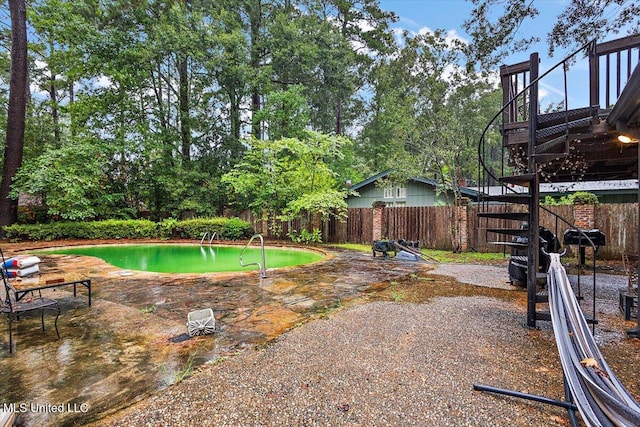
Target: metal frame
[14, 308]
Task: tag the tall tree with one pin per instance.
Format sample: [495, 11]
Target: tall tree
[16, 113]
[496, 26]
[364, 27]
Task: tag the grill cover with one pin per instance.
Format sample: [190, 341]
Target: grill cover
[572, 237]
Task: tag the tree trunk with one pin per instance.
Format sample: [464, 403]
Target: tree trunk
[53, 95]
[185, 116]
[16, 111]
[54, 108]
[255, 16]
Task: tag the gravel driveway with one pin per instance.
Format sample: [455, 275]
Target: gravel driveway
[389, 363]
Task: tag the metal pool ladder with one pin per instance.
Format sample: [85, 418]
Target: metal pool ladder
[204, 236]
[263, 266]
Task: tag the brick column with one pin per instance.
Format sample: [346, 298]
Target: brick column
[585, 216]
[585, 219]
[378, 211]
[463, 227]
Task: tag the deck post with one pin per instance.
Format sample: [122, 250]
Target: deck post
[533, 223]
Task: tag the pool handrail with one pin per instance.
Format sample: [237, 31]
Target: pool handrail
[263, 266]
[204, 236]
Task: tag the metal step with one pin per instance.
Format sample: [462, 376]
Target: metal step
[523, 180]
[552, 143]
[516, 216]
[542, 298]
[543, 315]
[519, 198]
[562, 128]
[509, 231]
[559, 117]
[545, 157]
[510, 244]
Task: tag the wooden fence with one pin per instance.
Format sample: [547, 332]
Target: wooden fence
[431, 225]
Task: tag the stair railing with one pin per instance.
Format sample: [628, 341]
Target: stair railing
[509, 104]
[488, 173]
[261, 267]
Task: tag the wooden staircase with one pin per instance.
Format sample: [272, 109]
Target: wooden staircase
[538, 146]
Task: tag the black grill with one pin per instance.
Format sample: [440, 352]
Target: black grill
[574, 237]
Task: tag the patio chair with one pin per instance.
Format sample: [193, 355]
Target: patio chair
[628, 296]
[14, 309]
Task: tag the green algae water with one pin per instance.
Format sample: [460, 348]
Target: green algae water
[168, 258]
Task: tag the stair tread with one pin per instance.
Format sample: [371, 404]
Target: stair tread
[519, 198]
[518, 216]
[542, 298]
[511, 244]
[562, 127]
[552, 143]
[509, 231]
[543, 315]
[558, 117]
[543, 157]
[518, 179]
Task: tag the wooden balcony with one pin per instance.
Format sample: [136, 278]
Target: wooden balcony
[582, 143]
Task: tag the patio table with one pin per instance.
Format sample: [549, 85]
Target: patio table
[23, 285]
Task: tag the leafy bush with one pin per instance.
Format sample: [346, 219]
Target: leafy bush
[109, 229]
[235, 229]
[584, 197]
[577, 198]
[305, 236]
[227, 228]
[167, 228]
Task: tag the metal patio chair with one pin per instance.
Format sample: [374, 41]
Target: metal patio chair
[14, 309]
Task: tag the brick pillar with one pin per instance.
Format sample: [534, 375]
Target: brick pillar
[585, 216]
[463, 229]
[585, 219]
[378, 211]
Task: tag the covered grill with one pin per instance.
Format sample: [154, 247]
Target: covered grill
[579, 238]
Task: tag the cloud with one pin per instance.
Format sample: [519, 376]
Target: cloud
[451, 36]
[102, 82]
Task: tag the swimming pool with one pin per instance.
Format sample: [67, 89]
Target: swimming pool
[176, 258]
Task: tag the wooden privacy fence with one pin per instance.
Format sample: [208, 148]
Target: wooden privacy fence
[432, 225]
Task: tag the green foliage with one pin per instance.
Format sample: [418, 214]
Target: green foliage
[305, 236]
[497, 30]
[577, 198]
[235, 229]
[325, 204]
[175, 376]
[289, 176]
[584, 197]
[428, 113]
[397, 295]
[167, 228]
[150, 309]
[109, 229]
[286, 113]
[70, 181]
[227, 228]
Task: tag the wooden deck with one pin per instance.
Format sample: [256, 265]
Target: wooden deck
[580, 144]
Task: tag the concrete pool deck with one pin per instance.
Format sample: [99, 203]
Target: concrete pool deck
[408, 356]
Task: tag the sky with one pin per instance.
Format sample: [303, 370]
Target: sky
[416, 15]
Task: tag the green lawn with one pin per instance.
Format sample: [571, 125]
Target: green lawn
[440, 256]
